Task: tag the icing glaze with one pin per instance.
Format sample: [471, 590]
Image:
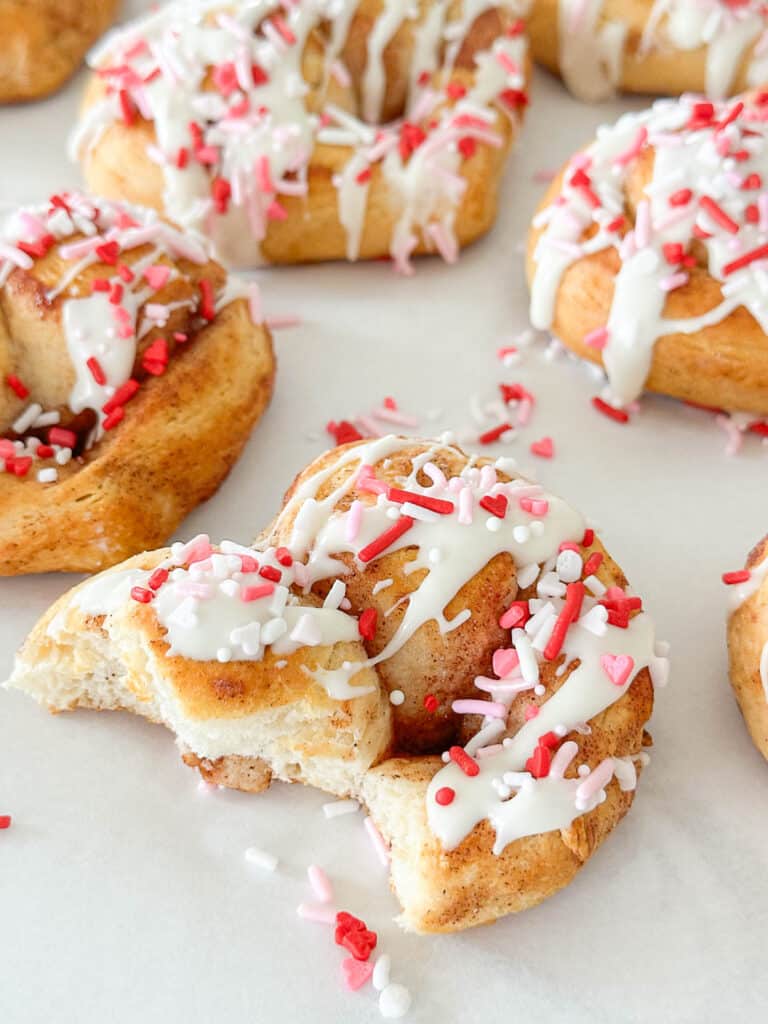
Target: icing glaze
[102, 319]
[593, 48]
[236, 74]
[709, 163]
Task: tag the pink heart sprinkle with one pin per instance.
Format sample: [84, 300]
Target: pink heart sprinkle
[618, 667]
[356, 972]
[545, 448]
[157, 276]
[504, 661]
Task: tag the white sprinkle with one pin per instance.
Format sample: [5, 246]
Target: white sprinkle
[381, 969]
[335, 595]
[223, 655]
[394, 1002]
[261, 858]
[306, 632]
[396, 697]
[569, 566]
[339, 807]
[48, 476]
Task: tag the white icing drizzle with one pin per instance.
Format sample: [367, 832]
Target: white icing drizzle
[724, 166]
[256, 135]
[592, 48]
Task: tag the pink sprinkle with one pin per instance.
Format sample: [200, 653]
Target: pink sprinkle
[278, 323]
[524, 410]
[544, 449]
[255, 593]
[340, 74]
[196, 550]
[735, 436]
[506, 351]
[320, 883]
[668, 284]
[595, 781]
[762, 206]
[354, 520]
[445, 241]
[505, 661]
[311, 912]
[466, 501]
[377, 842]
[254, 304]
[531, 711]
[276, 212]
[491, 709]
[157, 276]
[643, 224]
[156, 311]
[629, 154]
[264, 175]
[507, 63]
[366, 481]
[597, 338]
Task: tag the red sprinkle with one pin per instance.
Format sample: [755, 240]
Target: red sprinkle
[108, 252]
[593, 563]
[494, 434]
[588, 539]
[97, 372]
[5, 821]
[539, 763]
[422, 500]
[574, 596]
[496, 504]
[739, 576]
[15, 384]
[384, 540]
[158, 578]
[66, 438]
[127, 107]
[619, 415]
[343, 432]
[431, 703]
[467, 764]
[254, 593]
[269, 572]
[141, 594]
[718, 214]
[207, 308]
[116, 416]
[444, 796]
[366, 624]
[760, 253]
[123, 394]
[284, 557]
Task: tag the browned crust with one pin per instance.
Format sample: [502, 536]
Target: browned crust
[44, 42]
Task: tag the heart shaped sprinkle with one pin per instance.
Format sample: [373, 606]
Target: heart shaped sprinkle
[618, 667]
[356, 973]
[545, 448]
[495, 504]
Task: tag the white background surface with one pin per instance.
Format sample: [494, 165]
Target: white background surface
[124, 895]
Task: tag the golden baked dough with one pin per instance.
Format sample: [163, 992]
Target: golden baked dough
[349, 130]
[131, 374]
[748, 642]
[373, 619]
[44, 42]
[648, 252]
[663, 47]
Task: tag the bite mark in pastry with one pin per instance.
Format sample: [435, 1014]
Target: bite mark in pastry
[403, 565]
